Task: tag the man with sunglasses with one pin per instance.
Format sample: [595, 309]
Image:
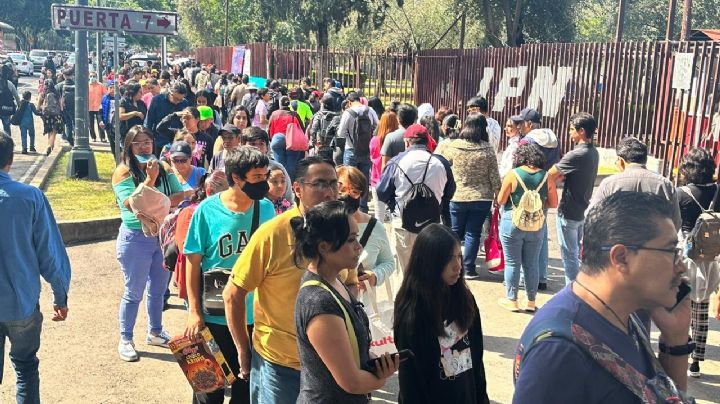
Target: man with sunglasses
[163, 105]
[266, 266]
[586, 345]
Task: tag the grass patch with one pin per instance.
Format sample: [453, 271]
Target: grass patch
[75, 199]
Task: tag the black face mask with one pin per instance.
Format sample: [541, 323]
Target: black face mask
[256, 191]
[353, 204]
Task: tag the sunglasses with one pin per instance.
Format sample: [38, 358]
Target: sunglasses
[179, 161]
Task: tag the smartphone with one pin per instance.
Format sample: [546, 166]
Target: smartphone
[404, 354]
[684, 291]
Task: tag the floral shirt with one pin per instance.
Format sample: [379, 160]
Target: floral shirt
[281, 205]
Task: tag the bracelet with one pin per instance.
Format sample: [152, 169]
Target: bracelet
[679, 350]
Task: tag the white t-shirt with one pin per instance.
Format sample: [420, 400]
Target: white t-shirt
[261, 108]
[494, 133]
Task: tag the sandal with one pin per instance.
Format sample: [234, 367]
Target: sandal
[531, 308]
[510, 305]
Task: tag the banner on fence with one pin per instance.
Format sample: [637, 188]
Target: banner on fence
[238, 60]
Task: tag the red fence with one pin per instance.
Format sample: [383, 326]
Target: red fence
[666, 94]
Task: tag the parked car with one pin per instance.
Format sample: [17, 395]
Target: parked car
[38, 57]
[22, 64]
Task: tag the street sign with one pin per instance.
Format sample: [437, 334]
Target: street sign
[145, 22]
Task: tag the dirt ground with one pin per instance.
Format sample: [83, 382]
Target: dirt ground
[79, 362]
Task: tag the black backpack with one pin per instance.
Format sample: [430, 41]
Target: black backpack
[7, 101]
[68, 97]
[362, 132]
[251, 106]
[421, 207]
[329, 126]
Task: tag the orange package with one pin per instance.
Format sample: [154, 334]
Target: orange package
[202, 362]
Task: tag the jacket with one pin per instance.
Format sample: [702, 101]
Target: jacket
[548, 142]
[475, 169]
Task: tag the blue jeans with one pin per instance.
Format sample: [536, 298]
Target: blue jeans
[271, 383]
[467, 221]
[570, 233]
[522, 251]
[6, 124]
[287, 158]
[69, 119]
[544, 251]
[24, 132]
[24, 336]
[362, 163]
[142, 264]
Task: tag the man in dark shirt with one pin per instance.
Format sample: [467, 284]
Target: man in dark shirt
[579, 169]
[586, 345]
[163, 105]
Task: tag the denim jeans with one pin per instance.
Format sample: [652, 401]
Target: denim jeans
[570, 233]
[364, 164]
[271, 383]
[522, 251]
[467, 221]
[69, 119]
[6, 124]
[544, 251]
[26, 131]
[24, 336]
[287, 158]
[142, 264]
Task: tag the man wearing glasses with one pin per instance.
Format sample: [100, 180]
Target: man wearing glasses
[586, 345]
[163, 105]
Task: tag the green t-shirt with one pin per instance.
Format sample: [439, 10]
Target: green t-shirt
[126, 187]
[304, 112]
[220, 235]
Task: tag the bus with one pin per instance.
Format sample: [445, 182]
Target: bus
[8, 42]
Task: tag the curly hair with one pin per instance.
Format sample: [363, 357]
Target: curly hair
[697, 167]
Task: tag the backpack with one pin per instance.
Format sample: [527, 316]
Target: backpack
[362, 132]
[68, 97]
[528, 215]
[7, 101]
[51, 106]
[421, 207]
[168, 246]
[251, 106]
[328, 129]
[704, 239]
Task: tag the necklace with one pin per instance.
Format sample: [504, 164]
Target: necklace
[627, 327]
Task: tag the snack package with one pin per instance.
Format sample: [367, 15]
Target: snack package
[202, 362]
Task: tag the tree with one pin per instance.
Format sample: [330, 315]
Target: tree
[29, 17]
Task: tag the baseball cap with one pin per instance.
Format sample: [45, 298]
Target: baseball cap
[205, 112]
[229, 128]
[416, 131]
[180, 149]
[527, 114]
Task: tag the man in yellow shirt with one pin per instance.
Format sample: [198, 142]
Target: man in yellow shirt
[266, 266]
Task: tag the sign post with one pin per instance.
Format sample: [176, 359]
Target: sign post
[116, 102]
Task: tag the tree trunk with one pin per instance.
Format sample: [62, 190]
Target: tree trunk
[322, 34]
[491, 32]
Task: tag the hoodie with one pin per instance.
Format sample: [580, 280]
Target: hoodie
[548, 142]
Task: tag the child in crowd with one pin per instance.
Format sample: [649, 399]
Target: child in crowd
[25, 112]
[276, 194]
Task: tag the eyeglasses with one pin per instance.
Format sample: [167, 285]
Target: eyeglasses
[143, 144]
[677, 253]
[321, 185]
[179, 161]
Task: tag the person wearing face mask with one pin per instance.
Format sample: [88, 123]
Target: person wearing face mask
[219, 231]
[379, 262]
[95, 93]
[140, 256]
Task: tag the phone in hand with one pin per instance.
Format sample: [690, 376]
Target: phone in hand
[683, 292]
[404, 355]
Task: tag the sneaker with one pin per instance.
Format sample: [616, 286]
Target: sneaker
[161, 339]
[470, 275]
[24, 151]
[542, 286]
[694, 370]
[510, 305]
[127, 351]
[32, 150]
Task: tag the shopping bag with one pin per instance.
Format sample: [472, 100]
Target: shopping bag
[295, 139]
[494, 258]
[380, 315]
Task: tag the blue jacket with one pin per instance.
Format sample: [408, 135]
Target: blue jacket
[105, 106]
[160, 107]
[30, 247]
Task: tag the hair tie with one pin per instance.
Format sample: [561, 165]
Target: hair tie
[305, 223]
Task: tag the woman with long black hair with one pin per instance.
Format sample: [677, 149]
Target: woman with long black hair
[132, 109]
[437, 318]
[140, 256]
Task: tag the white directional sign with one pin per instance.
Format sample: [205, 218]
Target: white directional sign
[146, 22]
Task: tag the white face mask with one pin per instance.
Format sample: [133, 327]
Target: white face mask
[93, 79]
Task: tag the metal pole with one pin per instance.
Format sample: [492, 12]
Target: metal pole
[670, 31]
[227, 16]
[620, 21]
[116, 115]
[163, 53]
[81, 158]
[686, 20]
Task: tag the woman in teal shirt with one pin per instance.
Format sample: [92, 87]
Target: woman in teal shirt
[140, 256]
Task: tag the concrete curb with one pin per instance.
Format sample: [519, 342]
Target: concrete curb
[80, 231]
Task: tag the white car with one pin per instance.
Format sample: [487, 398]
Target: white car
[22, 64]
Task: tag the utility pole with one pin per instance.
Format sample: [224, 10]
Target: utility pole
[670, 31]
[620, 21]
[227, 17]
[98, 52]
[82, 160]
[686, 20]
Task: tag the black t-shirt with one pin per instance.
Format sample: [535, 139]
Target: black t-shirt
[579, 166]
[317, 384]
[689, 210]
[129, 106]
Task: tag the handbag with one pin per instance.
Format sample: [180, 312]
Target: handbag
[380, 315]
[16, 118]
[151, 207]
[215, 279]
[494, 257]
[295, 139]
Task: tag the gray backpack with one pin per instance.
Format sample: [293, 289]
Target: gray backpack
[704, 239]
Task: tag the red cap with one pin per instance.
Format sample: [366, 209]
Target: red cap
[416, 131]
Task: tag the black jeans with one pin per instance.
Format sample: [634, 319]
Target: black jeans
[241, 388]
[96, 117]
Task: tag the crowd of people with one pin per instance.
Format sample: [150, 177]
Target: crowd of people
[266, 197]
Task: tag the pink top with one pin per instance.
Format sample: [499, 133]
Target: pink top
[376, 159]
[147, 98]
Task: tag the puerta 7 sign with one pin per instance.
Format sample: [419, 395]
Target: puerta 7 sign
[144, 22]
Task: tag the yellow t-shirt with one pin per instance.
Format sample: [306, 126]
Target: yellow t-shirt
[266, 265]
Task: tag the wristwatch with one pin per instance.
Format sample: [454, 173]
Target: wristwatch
[678, 350]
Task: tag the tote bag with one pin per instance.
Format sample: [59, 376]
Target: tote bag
[380, 315]
[494, 257]
[295, 139]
